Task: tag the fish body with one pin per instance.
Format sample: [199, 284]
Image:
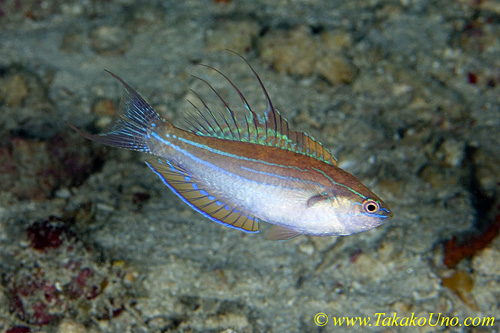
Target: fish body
[240, 172]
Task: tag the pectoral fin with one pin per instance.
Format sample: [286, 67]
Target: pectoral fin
[277, 232]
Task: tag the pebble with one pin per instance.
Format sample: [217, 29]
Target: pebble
[109, 40]
[487, 262]
[234, 36]
[300, 52]
[13, 90]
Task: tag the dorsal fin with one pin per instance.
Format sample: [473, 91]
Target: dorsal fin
[269, 129]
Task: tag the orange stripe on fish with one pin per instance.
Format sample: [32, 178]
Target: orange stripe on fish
[238, 172]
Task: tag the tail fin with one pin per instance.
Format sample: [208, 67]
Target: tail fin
[130, 128]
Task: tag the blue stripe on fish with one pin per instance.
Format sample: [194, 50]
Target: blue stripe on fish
[280, 176]
[229, 169]
[199, 199]
[223, 153]
[197, 159]
[338, 184]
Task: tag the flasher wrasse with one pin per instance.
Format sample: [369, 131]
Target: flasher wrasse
[239, 172]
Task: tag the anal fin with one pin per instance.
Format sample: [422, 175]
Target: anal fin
[192, 192]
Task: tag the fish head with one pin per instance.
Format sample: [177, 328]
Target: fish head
[366, 214]
[349, 207]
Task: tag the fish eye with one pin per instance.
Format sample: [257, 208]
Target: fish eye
[370, 206]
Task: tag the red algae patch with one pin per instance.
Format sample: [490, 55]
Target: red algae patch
[57, 277]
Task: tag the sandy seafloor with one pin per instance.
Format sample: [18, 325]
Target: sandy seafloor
[406, 94]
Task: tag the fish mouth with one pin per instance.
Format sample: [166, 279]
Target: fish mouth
[385, 213]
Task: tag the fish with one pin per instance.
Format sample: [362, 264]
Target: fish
[242, 170]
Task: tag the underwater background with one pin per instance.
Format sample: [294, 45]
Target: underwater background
[406, 95]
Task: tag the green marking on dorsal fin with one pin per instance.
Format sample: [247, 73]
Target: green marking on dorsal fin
[270, 129]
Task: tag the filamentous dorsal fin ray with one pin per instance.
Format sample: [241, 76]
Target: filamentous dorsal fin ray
[269, 129]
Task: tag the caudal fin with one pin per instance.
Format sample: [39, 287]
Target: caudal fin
[130, 128]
